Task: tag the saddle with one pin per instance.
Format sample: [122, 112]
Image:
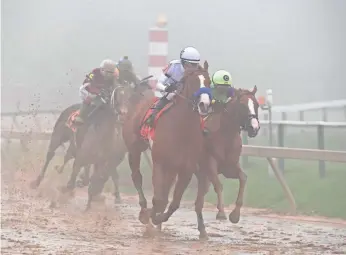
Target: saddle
[146, 131]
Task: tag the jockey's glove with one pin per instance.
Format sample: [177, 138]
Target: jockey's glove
[99, 100]
[105, 95]
[170, 88]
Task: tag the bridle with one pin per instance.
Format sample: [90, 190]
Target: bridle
[243, 126]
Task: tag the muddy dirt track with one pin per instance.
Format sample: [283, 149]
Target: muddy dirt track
[29, 226]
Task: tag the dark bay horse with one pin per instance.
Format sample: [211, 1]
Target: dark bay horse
[62, 133]
[223, 146]
[176, 148]
[100, 142]
[140, 93]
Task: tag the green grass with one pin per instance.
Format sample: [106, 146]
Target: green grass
[314, 196]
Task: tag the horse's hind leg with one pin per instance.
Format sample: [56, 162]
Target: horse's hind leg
[235, 214]
[134, 158]
[56, 140]
[203, 186]
[70, 154]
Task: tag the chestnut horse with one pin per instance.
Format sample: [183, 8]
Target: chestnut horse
[176, 148]
[223, 146]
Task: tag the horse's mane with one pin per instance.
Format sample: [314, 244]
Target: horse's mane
[200, 70]
[241, 91]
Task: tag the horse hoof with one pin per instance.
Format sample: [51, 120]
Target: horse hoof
[65, 189]
[144, 217]
[58, 169]
[221, 216]
[99, 198]
[234, 216]
[34, 184]
[52, 205]
[158, 219]
[80, 184]
[117, 201]
[203, 235]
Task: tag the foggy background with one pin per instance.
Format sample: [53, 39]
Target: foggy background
[295, 47]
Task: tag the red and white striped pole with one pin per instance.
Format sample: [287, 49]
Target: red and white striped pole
[158, 49]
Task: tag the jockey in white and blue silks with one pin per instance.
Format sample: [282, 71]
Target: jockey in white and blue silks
[171, 77]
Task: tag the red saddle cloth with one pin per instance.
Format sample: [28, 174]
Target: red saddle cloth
[70, 121]
[148, 132]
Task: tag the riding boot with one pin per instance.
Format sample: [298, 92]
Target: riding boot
[157, 108]
[83, 113]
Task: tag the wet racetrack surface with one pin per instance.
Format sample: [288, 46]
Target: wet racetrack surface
[29, 226]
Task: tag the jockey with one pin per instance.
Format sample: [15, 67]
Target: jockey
[96, 88]
[126, 72]
[221, 86]
[170, 78]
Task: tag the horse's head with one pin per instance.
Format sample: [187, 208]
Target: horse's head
[120, 99]
[196, 87]
[248, 110]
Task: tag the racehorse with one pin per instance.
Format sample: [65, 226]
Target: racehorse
[99, 141]
[176, 144]
[64, 131]
[120, 150]
[61, 134]
[223, 146]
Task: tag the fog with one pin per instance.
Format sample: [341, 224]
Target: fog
[295, 47]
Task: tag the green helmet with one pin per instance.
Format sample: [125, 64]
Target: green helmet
[221, 78]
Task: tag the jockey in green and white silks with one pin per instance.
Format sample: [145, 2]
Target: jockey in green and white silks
[221, 86]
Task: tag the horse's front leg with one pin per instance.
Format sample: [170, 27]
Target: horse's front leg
[97, 181]
[84, 178]
[203, 186]
[213, 175]
[167, 180]
[71, 184]
[235, 214]
[115, 176]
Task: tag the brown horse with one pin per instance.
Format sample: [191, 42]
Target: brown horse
[223, 146]
[176, 148]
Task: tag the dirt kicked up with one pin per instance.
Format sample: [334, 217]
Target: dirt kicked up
[29, 226]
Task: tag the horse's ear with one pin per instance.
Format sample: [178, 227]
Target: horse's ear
[254, 90]
[206, 65]
[237, 92]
